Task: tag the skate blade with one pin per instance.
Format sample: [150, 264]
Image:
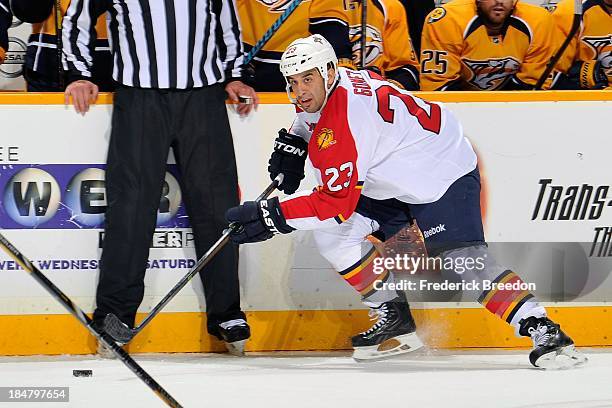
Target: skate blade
[565, 357]
[236, 348]
[406, 343]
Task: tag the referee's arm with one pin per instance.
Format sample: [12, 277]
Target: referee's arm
[229, 40]
[231, 54]
[78, 42]
[5, 23]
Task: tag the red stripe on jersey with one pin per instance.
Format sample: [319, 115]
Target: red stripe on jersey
[502, 299]
[332, 150]
[374, 75]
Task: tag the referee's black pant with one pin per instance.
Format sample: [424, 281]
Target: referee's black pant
[145, 124]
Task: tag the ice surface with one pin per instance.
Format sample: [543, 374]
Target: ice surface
[492, 379]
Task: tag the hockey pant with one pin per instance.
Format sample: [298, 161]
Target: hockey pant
[452, 228]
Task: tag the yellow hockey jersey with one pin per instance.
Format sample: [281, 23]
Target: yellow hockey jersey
[325, 17]
[458, 53]
[593, 41]
[41, 54]
[388, 44]
[257, 16]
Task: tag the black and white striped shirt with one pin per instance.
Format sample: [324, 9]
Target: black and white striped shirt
[167, 44]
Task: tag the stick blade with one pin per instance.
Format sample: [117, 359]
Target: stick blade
[119, 331]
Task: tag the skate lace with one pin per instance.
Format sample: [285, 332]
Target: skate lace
[232, 323]
[381, 315]
[539, 335]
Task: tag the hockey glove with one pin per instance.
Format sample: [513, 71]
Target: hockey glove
[589, 74]
[288, 157]
[257, 221]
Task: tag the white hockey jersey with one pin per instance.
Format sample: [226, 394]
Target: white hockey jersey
[374, 139]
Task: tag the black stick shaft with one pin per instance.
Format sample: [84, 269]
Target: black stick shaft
[364, 33]
[202, 262]
[553, 61]
[78, 313]
[59, 43]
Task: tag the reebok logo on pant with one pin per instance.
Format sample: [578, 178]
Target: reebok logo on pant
[434, 230]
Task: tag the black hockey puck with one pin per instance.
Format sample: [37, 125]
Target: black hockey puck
[82, 373]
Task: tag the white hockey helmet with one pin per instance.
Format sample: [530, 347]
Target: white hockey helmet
[307, 53]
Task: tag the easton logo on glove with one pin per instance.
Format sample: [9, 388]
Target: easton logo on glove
[258, 221]
[278, 145]
[288, 157]
[263, 205]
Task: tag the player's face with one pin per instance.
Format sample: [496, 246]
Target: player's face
[496, 11]
[309, 89]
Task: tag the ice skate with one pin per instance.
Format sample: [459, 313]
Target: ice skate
[552, 348]
[235, 333]
[393, 333]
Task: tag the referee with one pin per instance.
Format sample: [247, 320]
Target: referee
[175, 62]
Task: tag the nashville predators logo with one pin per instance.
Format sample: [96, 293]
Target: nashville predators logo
[492, 73]
[325, 139]
[550, 5]
[602, 49]
[374, 44]
[436, 15]
[276, 6]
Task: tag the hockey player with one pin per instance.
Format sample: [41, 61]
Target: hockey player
[389, 49]
[587, 61]
[325, 17]
[416, 11]
[383, 157]
[42, 68]
[486, 45]
[5, 23]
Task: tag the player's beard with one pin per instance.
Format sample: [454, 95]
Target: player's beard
[490, 24]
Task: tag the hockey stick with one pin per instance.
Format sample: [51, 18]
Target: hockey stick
[59, 44]
[575, 26]
[364, 32]
[124, 334]
[271, 31]
[80, 315]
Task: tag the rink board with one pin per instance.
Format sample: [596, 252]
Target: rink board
[294, 300]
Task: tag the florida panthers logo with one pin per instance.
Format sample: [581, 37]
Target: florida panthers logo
[602, 48]
[492, 73]
[325, 139]
[276, 6]
[374, 44]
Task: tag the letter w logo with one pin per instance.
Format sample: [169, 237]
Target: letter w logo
[32, 198]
